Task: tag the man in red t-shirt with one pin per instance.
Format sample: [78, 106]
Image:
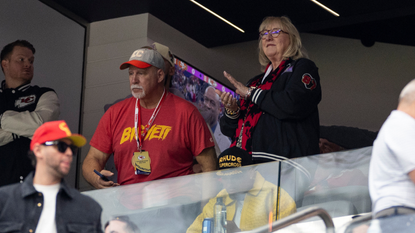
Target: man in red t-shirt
[153, 135]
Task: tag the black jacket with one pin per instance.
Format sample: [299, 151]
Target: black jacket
[15, 164]
[289, 125]
[21, 206]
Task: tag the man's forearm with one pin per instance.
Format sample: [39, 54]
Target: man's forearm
[207, 159]
[96, 159]
[5, 137]
[25, 123]
[88, 167]
[209, 167]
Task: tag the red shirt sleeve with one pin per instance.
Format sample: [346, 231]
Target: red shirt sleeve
[102, 139]
[199, 135]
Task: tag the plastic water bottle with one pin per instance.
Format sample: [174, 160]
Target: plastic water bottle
[219, 218]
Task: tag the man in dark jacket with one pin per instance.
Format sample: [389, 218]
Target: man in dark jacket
[44, 202]
[23, 108]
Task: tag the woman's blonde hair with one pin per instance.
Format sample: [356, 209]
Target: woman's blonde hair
[294, 49]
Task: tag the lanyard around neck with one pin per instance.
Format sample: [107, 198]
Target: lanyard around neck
[137, 120]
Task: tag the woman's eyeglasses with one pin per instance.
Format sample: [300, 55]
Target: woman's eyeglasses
[62, 146]
[274, 33]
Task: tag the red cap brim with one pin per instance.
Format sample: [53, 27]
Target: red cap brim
[138, 64]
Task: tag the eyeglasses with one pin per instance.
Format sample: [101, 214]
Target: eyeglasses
[62, 146]
[274, 32]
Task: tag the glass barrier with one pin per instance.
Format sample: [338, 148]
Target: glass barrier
[336, 182]
[392, 224]
[181, 204]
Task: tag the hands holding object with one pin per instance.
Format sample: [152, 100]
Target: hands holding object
[101, 182]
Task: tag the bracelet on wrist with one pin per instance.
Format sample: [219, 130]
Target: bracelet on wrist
[249, 92]
[231, 113]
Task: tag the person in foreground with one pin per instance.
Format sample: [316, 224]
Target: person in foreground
[121, 224]
[277, 117]
[23, 108]
[153, 135]
[392, 166]
[248, 197]
[44, 202]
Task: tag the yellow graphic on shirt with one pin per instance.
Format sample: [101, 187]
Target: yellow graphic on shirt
[159, 132]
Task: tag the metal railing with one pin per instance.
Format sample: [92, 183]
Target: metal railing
[297, 217]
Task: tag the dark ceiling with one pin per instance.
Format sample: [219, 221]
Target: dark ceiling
[388, 21]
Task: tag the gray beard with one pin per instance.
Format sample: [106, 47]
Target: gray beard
[136, 95]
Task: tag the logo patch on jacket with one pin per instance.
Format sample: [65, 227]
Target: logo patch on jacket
[288, 69]
[309, 81]
[25, 101]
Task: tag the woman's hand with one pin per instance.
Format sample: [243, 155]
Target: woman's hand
[241, 89]
[228, 100]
